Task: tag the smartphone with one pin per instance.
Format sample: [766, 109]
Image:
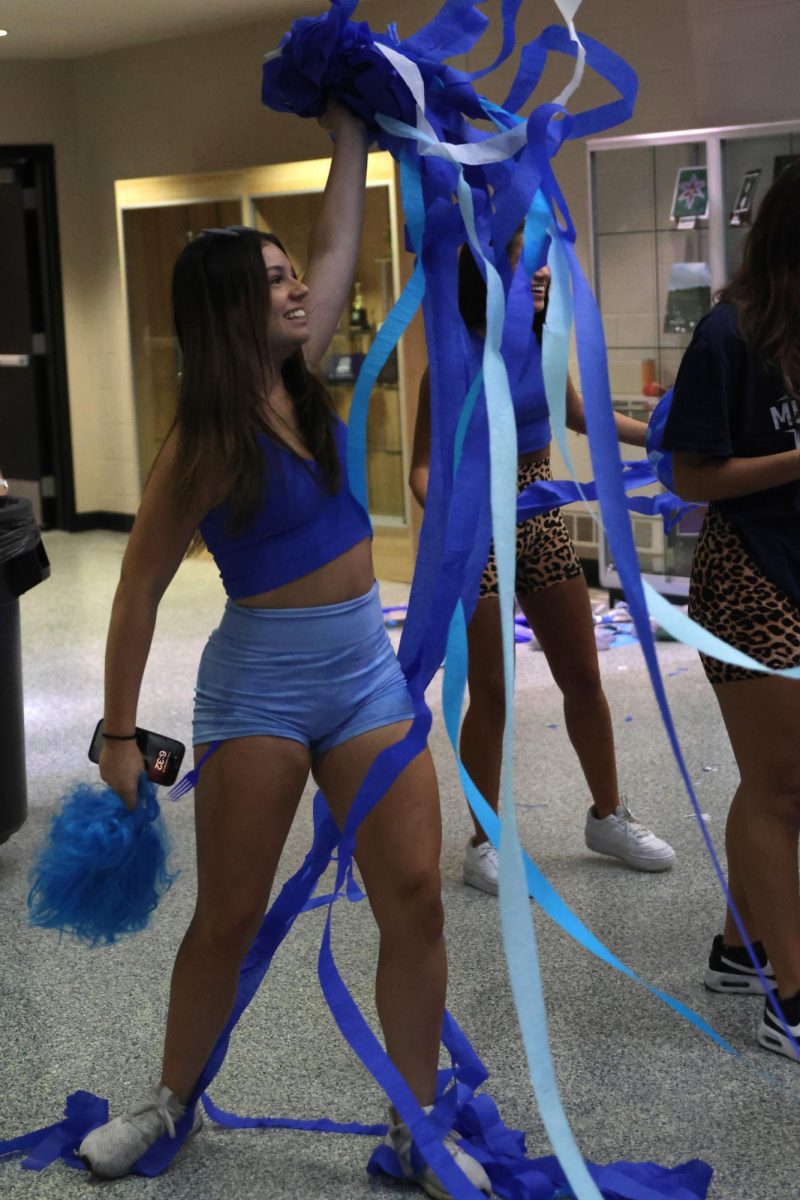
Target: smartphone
[162, 755]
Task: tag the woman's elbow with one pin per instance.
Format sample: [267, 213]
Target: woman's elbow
[690, 484]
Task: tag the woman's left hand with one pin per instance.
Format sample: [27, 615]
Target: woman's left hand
[337, 116]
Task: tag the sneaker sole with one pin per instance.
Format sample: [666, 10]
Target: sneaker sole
[735, 985]
[778, 1043]
[638, 864]
[480, 884]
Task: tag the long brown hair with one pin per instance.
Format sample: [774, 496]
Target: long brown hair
[221, 305]
[472, 295]
[765, 291]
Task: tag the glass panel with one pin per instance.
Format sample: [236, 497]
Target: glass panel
[623, 191]
[291, 218]
[153, 238]
[626, 290]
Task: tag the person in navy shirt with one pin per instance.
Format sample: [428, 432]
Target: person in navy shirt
[734, 434]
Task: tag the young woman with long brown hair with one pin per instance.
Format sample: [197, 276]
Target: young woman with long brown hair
[300, 676]
[552, 593]
[734, 432]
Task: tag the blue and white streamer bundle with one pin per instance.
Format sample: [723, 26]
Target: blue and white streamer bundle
[103, 868]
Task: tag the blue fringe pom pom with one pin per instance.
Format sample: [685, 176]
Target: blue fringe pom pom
[660, 460]
[103, 868]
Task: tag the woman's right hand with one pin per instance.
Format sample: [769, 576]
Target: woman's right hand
[121, 764]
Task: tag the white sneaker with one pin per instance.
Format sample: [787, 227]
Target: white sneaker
[112, 1149]
[480, 867]
[400, 1140]
[620, 835]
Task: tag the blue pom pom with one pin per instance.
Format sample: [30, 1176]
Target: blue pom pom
[103, 868]
[660, 460]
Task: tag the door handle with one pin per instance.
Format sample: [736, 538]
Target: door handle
[15, 360]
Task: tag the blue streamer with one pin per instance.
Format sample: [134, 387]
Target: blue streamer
[497, 178]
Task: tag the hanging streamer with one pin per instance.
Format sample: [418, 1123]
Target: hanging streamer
[496, 178]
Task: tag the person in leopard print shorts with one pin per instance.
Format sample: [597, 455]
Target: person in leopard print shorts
[734, 434]
[552, 592]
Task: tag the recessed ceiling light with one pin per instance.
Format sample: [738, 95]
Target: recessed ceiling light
[3, 33]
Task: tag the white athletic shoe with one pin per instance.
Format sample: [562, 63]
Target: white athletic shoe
[400, 1140]
[621, 836]
[480, 867]
[112, 1149]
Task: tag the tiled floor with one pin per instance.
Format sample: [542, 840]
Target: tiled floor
[637, 1082]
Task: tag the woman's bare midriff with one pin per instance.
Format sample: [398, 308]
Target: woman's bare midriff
[344, 578]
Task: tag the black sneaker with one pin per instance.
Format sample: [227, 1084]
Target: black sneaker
[730, 969]
[771, 1034]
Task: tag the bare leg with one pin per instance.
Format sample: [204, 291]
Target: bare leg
[481, 741]
[246, 800]
[761, 716]
[561, 618]
[397, 850]
[734, 837]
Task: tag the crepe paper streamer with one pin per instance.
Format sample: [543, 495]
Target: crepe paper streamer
[103, 868]
[458, 521]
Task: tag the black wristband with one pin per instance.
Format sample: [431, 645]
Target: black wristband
[120, 737]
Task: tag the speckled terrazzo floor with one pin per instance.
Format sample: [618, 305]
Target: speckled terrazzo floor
[636, 1081]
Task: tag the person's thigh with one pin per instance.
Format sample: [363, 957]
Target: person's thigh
[399, 842]
[245, 801]
[561, 618]
[762, 717]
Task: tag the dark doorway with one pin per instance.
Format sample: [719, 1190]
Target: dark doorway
[35, 445]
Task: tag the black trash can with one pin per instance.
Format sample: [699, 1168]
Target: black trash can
[23, 564]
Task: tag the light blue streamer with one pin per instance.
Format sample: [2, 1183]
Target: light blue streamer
[515, 912]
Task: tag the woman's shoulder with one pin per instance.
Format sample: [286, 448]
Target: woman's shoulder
[721, 324]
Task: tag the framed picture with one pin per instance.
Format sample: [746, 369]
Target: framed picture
[690, 198]
[742, 211]
[688, 296]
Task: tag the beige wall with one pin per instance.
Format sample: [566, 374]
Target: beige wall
[193, 104]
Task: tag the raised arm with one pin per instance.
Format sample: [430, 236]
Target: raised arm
[421, 454]
[161, 533]
[336, 235]
[629, 431]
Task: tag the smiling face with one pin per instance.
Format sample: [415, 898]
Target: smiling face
[288, 318]
[540, 280]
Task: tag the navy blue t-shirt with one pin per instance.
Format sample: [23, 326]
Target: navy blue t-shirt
[725, 404]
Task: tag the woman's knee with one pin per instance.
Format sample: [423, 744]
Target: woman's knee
[581, 684]
[411, 906]
[226, 932]
[487, 698]
[776, 791]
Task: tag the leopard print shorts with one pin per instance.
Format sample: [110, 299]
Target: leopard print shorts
[731, 597]
[545, 553]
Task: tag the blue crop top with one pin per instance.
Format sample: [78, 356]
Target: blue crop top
[299, 527]
[526, 382]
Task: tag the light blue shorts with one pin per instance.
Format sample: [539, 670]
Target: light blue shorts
[319, 676]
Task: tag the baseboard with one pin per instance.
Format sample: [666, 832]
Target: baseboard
[116, 522]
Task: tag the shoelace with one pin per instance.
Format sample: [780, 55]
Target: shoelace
[156, 1108]
[633, 827]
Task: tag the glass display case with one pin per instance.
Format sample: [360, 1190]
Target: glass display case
[156, 218]
[669, 215]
